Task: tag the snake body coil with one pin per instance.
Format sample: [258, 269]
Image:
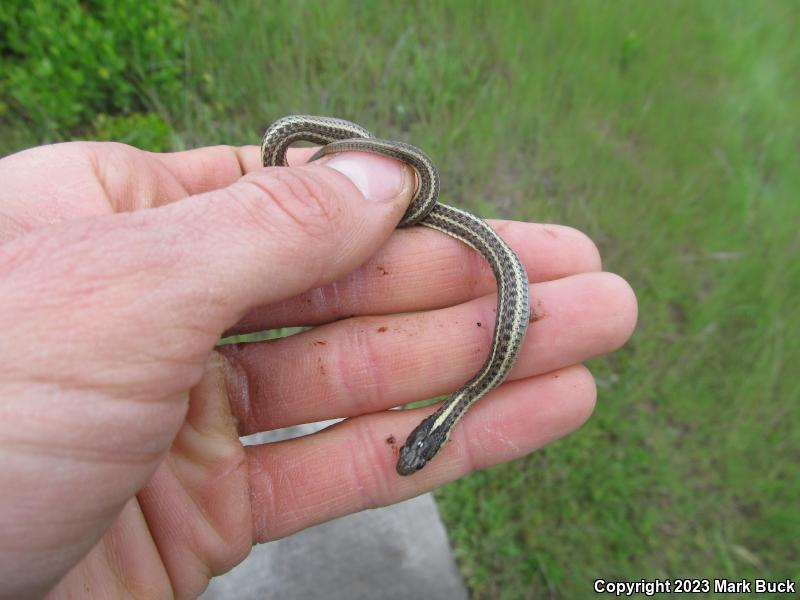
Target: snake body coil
[513, 305]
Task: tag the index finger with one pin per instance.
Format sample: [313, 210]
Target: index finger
[214, 167]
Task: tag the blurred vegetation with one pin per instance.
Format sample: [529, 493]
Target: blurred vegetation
[143, 130]
[667, 131]
[63, 62]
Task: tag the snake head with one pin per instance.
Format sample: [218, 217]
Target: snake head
[421, 446]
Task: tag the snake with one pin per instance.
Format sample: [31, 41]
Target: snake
[513, 301]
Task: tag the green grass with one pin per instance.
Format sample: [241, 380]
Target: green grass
[669, 133]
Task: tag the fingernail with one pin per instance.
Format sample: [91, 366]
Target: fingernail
[379, 178]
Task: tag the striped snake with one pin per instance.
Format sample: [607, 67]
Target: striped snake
[513, 305]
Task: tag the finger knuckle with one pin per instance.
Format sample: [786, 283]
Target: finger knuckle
[290, 201]
[359, 368]
[371, 466]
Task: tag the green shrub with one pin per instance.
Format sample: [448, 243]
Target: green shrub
[62, 62]
[147, 131]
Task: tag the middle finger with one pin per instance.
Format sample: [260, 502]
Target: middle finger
[366, 364]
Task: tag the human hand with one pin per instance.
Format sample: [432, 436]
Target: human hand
[120, 269]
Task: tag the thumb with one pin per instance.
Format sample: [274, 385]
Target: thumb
[280, 231]
[199, 264]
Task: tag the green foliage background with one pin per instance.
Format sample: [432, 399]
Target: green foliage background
[667, 131]
[64, 64]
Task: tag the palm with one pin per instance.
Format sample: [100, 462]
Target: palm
[192, 517]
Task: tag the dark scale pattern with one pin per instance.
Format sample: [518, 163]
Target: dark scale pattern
[512, 316]
[513, 303]
[302, 128]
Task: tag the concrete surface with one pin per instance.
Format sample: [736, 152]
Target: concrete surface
[397, 552]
